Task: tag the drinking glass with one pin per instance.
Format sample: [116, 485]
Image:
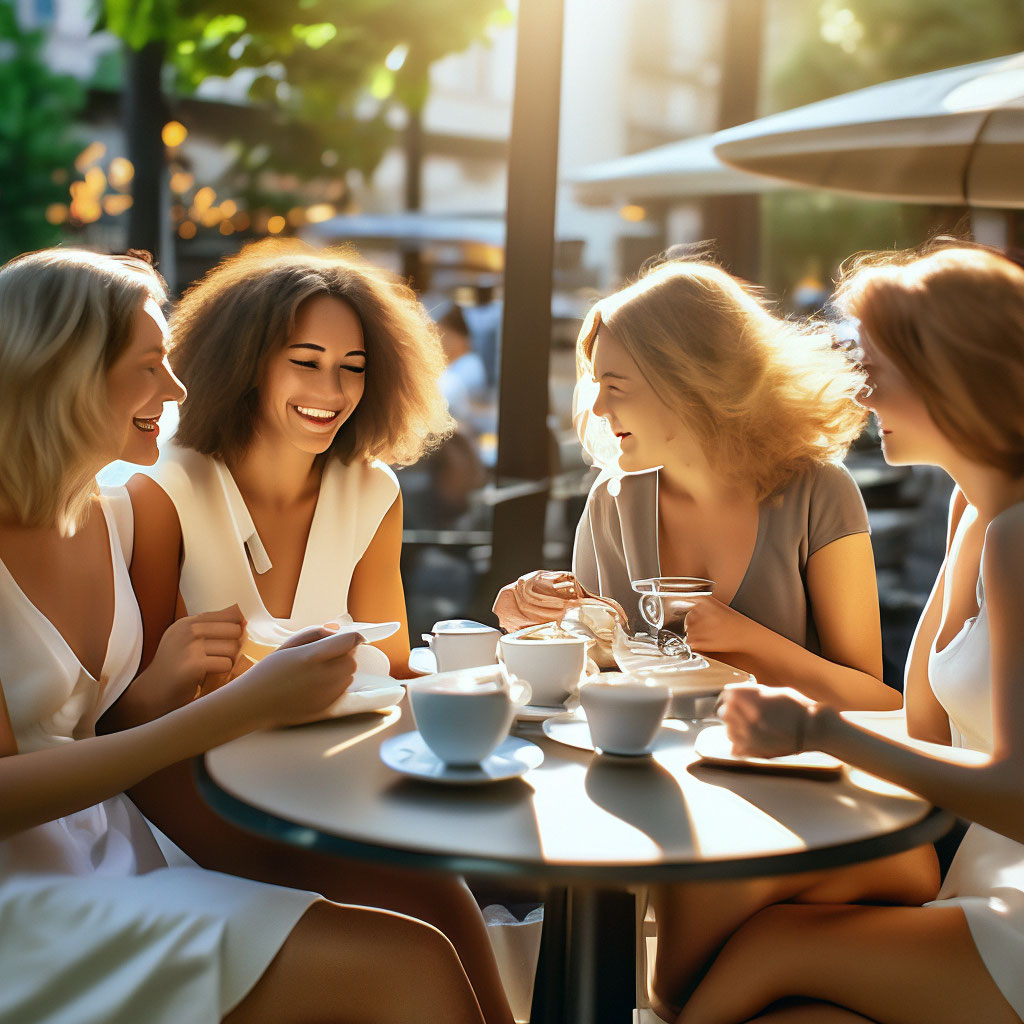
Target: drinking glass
[664, 604]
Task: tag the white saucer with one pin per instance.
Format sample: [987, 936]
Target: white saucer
[713, 747]
[409, 755]
[422, 661]
[572, 730]
[541, 713]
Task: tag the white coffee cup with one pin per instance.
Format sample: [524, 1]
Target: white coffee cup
[463, 715]
[552, 666]
[462, 643]
[624, 711]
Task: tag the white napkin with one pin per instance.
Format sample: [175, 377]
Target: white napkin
[368, 692]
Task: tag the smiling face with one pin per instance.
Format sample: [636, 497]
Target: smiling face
[138, 384]
[908, 433]
[649, 433]
[314, 383]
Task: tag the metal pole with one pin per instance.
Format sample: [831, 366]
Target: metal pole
[524, 445]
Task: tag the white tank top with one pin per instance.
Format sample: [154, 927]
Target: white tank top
[219, 536]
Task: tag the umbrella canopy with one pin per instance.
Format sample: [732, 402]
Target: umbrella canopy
[411, 228]
[950, 137]
[676, 171]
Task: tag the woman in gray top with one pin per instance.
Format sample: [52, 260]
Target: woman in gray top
[720, 427]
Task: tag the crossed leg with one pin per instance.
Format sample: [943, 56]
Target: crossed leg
[890, 965]
[349, 965]
[696, 920]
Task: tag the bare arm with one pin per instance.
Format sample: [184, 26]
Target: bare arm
[844, 602]
[988, 789]
[376, 593]
[289, 686]
[156, 560]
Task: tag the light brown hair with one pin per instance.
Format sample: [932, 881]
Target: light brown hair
[228, 325]
[65, 317]
[951, 318]
[765, 397]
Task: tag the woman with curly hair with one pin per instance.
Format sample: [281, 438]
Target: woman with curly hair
[729, 423]
[308, 373]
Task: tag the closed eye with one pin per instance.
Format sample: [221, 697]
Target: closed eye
[308, 363]
[355, 369]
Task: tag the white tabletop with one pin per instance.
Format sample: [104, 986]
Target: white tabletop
[578, 817]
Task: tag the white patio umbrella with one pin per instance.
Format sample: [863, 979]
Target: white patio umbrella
[676, 171]
[951, 137]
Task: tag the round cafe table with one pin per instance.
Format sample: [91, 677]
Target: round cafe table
[586, 826]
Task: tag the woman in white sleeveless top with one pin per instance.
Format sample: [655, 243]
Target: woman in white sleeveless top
[942, 340]
[306, 373]
[102, 920]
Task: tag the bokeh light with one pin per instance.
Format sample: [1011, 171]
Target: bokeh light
[174, 134]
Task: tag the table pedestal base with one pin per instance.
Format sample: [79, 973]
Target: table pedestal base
[587, 968]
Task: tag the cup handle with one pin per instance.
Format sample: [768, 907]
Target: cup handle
[520, 691]
[428, 638]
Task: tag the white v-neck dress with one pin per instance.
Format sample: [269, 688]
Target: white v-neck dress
[986, 878]
[219, 539]
[102, 919]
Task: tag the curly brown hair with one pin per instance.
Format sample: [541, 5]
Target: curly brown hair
[227, 326]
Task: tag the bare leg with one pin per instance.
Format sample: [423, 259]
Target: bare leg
[811, 1013]
[694, 921]
[170, 800]
[349, 964]
[893, 965]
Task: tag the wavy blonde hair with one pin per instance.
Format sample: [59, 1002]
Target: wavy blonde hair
[65, 317]
[766, 398]
[227, 327]
[950, 316]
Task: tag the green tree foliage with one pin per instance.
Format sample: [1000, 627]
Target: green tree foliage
[840, 45]
[331, 68]
[36, 148]
[849, 44]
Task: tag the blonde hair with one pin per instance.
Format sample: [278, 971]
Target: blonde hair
[65, 317]
[766, 398]
[227, 327]
[951, 318]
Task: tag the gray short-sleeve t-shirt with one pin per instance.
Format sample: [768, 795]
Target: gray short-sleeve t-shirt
[617, 542]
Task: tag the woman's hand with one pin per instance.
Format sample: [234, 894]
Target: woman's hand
[766, 721]
[717, 628]
[537, 597]
[544, 596]
[300, 680]
[191, 649]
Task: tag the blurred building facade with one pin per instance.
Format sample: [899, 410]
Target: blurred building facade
[636, 73]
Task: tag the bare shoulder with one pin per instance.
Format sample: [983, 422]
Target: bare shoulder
[149, 497]
[1004, 540]
[156, 518]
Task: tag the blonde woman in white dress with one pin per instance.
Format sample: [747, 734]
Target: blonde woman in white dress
[942, 341]
[308, 374]
[103, 920]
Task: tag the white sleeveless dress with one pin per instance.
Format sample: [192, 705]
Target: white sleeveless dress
[219, 538]
[102, 919]
[986, 877]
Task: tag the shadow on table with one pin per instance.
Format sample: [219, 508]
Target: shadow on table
[809, 807]
[643, 794]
